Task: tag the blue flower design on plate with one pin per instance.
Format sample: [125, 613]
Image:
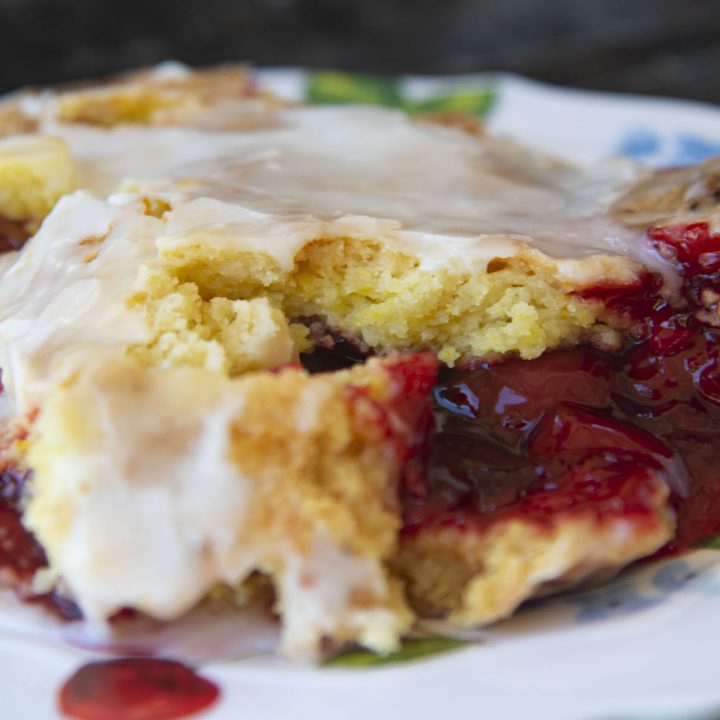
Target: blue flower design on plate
[620, 598]
[632, 594]
[681, 575]
[639, 144]
[693, 149]
[647, 145]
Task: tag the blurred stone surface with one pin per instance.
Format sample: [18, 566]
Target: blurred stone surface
[667, 47]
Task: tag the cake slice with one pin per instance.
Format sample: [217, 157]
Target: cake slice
[208, 236]
[415, 237]
[152, 486]
[393, 232]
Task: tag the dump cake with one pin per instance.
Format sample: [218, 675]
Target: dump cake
[393, 368]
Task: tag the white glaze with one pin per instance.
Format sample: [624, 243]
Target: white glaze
[140, 502]
[56, 299]
[432, 191]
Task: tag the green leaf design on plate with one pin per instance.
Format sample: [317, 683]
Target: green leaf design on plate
[412, 649]
[476, 102]
[324, 87]
[713, 543]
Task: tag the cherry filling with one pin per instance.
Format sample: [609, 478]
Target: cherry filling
[21, 556]
[540, 439]
[587, 430]
[13, 235]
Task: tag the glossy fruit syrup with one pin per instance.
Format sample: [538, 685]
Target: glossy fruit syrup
[586, 429]
[21, 556]
[12, 234]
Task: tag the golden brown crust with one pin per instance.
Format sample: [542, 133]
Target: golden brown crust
[152, 98]
[13, 121]
[471, 124]
[220, 98]
[668, 194]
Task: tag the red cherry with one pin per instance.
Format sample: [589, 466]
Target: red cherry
[573, 427]
[669, 335]
[596, 484]
[12, 235]
[707, 376]
[693, 246]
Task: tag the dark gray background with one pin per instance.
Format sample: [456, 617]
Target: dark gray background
[669, 47]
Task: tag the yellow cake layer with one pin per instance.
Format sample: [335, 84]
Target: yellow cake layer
[387, 301]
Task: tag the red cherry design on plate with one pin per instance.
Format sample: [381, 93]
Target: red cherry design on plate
[135, 689]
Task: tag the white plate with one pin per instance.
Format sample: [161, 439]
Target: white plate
[640, 648]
